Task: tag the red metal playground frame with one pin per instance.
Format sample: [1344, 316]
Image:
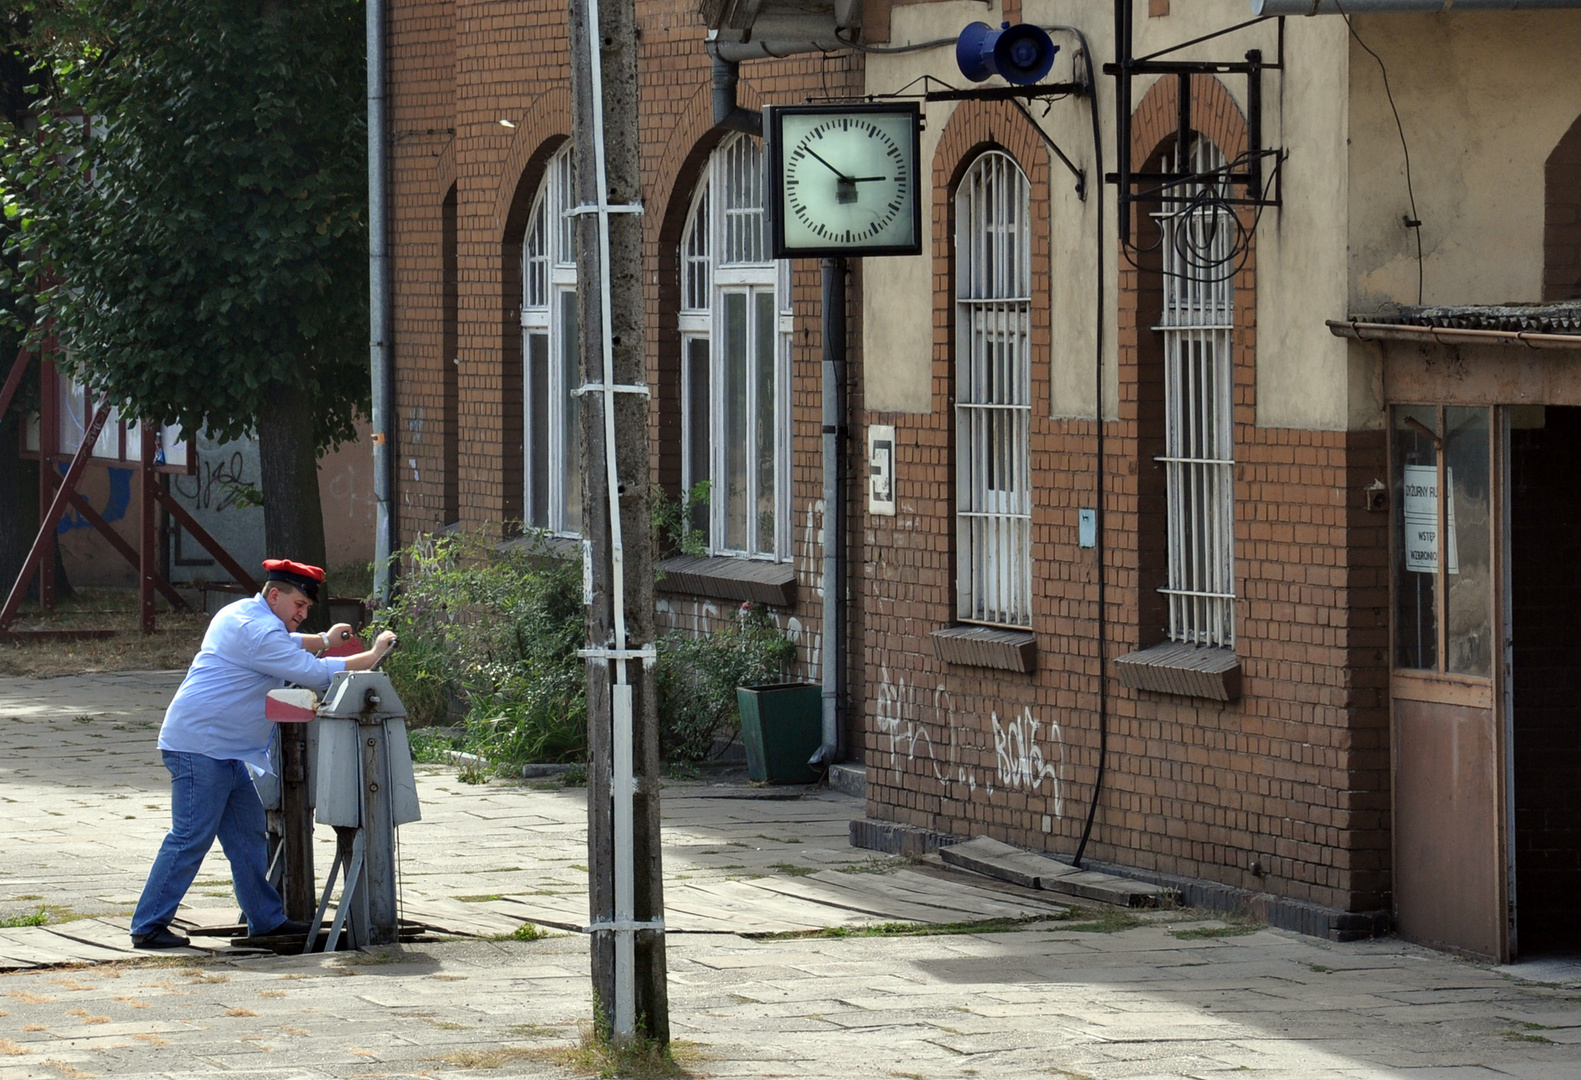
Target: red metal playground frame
[56, 493]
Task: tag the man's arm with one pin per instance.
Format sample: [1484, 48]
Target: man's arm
[317, 643]
[364, 660]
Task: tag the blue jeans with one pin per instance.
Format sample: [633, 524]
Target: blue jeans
[210, 798]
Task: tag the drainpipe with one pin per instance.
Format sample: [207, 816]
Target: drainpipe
[379, 311]
[727, 113]
[832, 658]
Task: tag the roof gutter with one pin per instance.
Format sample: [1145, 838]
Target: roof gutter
[1357, 330]
[1266, 8]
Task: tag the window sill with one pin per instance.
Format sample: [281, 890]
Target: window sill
[725, 578]
[987, 646]
[1187, 670]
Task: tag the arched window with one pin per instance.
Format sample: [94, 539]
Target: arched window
[1199, 459]
[550, 363]
[993, 394]
[735, 324]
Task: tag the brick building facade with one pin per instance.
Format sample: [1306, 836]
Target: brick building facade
[1225, 632]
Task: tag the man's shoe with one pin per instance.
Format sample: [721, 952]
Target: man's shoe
[163, 938]
[290, 926]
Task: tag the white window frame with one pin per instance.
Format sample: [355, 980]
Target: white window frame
[551, 496]
[993, 393]
[1197, 324]
[725, 251]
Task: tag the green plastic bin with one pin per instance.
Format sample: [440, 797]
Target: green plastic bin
[782, 727]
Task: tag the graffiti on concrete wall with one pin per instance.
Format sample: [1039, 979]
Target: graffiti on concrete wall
[117, 501]
[219, 484]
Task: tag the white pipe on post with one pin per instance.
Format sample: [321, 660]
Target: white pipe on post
[624, 1022]
[379, 308]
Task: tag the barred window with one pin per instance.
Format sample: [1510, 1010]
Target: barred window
[993, 394]
[551, 365]
[735, 325]
[1198, 459]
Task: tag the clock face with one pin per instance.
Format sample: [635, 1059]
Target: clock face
[845, 180]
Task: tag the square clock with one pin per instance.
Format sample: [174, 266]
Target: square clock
[843, 179]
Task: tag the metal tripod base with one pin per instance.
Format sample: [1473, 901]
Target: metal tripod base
[349, 857]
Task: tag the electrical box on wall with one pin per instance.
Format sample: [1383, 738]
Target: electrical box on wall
[881, 469]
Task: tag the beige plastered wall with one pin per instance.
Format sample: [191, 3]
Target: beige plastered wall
[1483, 98]
[1305, 378]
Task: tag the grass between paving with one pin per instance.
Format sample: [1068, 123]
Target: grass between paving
[170, 647]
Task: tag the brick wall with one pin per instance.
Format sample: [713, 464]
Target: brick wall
[1284, 791]
[459, 68]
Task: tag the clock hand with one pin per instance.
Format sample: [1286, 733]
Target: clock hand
[826, 165]
[865, 179]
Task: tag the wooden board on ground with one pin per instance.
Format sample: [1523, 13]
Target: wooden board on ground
[994, 859]
[563, 911]
[906, 896]
[112, 934]
[743, 907]
[454, 917]
[36, 946]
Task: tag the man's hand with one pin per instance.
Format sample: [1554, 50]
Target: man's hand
[335, 635]
[365, 660]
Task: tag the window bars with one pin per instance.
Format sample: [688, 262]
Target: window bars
[552, 495]
[1198, 318]
[735, 328]
[993, 286]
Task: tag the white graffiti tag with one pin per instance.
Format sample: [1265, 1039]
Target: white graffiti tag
[1020, 759]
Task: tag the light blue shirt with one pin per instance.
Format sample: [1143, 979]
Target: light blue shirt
[218, 710]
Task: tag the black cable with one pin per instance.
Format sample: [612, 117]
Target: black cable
[886, 50]
[1415, 220]
[1098, 485]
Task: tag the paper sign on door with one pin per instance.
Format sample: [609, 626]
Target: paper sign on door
[1421, 519]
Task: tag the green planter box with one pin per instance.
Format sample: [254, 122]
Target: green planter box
[782, 726]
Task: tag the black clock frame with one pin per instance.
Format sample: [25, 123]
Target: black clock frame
[775, 172]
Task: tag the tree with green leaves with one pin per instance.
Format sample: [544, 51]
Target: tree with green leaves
[23, 81]
[189, 204]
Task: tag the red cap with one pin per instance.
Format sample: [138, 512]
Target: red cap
[304, 577]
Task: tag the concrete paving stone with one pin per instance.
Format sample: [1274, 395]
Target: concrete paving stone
[1535, 1070]
[1018, 1002]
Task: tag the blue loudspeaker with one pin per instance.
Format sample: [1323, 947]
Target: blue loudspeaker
[1023, 54]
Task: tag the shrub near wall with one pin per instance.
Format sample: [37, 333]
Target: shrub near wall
[495, 632]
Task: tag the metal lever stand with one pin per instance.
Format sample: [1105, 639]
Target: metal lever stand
[365, 790]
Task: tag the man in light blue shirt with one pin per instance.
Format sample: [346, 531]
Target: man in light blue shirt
[215, 731]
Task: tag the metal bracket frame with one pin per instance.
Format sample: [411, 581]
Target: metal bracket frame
[1246, 169]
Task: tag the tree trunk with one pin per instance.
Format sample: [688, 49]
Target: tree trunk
[18, 515]
[288, 469]
[14, 538]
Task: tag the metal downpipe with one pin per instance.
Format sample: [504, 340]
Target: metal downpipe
[728, 113]
[832, 657]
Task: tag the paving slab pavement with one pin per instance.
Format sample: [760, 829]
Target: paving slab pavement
[85, 802]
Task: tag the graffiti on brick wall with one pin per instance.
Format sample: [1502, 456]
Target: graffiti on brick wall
[1020, 761]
